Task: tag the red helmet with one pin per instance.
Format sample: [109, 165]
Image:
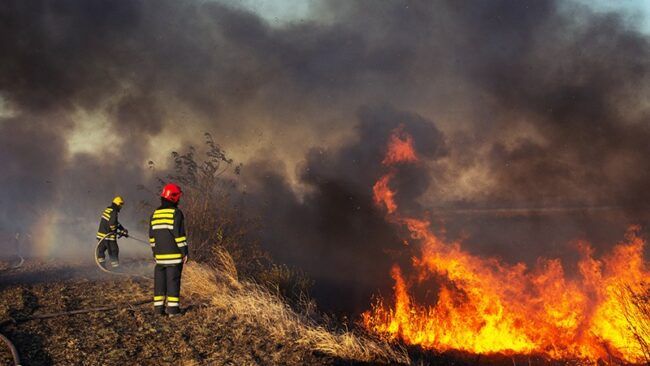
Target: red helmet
[171, 192]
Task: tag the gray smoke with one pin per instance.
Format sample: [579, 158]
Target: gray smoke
[531, 119]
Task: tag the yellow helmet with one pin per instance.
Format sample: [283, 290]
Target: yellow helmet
[118, 200]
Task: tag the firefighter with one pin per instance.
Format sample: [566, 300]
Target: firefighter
[169, 245]
[109, 230]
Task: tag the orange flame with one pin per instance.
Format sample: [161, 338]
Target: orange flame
[383, 194]
[400, 148]
[486, 306]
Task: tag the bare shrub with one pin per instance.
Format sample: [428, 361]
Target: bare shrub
[216, 219]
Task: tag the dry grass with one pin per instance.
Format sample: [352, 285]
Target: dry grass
[228, 333]
[254, 304]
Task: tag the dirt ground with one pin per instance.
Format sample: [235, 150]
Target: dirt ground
[130, 335]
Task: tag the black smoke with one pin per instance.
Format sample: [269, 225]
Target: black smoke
[531, 120]
[335, 231]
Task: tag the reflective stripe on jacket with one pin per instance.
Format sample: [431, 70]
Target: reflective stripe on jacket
[167, 235]
[108, 224]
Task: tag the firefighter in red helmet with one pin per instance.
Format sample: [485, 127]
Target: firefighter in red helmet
[169, 244]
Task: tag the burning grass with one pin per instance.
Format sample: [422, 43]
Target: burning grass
[486, 306]
[636, 311]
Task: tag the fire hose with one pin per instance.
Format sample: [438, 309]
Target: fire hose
[10, 345]
[104, 269]
[21, 259]
[20, 263]
[14, 351]
[12, 348]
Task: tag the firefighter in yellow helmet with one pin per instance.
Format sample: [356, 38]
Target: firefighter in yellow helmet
[109, 230]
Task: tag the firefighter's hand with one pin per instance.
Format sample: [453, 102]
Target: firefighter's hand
[184, 259]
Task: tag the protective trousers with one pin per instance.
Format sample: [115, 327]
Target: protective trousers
[167, 288]
[113, 252]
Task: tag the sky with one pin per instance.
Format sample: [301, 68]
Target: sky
[279, 11]
[283, 11]
[637, 8]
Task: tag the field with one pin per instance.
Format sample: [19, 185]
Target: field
[226, 321]
[232, 323]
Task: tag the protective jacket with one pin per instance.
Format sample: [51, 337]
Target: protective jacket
[109, 230]
[109, 224]
[169, 245]
[167, 234]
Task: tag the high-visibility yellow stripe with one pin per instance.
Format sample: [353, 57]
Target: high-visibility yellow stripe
[152, 240]
[165, 210]
[101, 234]
[168, 256]
[163, 216]
[172, 298]
[162, 221]
[158, 298]
[106, 218]
[180, 239]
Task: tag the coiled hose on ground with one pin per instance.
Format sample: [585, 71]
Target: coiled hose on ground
[10, 345]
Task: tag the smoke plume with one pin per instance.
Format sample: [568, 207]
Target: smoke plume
[531, 118]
